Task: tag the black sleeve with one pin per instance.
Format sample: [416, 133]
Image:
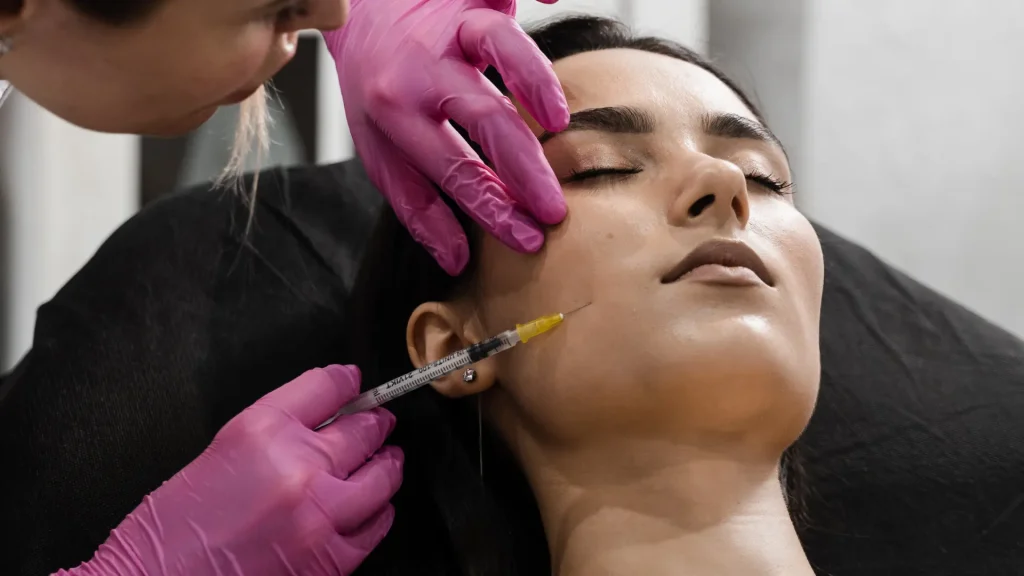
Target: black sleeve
[179, 322]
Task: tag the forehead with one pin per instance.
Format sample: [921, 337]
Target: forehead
[671, 88]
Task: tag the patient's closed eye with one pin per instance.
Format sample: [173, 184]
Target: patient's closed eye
[770, 181]
[601, 173]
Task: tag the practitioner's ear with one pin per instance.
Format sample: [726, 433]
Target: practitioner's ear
[11, 22]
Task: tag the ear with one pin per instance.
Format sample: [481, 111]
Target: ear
[436, 330]
[10, 22]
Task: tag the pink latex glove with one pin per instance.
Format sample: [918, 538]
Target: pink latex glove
[406, 67]
[269, 496]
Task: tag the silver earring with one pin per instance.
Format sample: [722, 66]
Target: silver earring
[469, 375]
[5, 45]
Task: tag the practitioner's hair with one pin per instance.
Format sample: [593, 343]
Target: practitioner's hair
[451, 519]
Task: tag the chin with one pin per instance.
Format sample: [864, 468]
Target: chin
[744, 378]
[142, 126]
[177, 127]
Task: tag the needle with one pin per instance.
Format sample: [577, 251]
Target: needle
[575, 310]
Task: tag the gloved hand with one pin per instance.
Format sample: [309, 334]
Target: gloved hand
[406, 67]
[269, 496]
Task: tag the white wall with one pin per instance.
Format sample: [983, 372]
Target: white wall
[63, 190]
[905, 118]
[681, 20]
[912, 140]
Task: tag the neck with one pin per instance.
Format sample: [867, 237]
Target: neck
[660, 509]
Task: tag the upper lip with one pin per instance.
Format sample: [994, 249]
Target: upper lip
[729, 253]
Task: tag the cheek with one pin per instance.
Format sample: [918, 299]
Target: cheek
[601, 242]
[233, 67]
[799, 252]
[212, 65]
[601, 254]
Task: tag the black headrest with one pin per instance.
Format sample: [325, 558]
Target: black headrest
[915, 453]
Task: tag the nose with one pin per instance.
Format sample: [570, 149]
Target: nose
[712, 193]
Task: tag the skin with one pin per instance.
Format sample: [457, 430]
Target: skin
[165, 75]
[651, 424]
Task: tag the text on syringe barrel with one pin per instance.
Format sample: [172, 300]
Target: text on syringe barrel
[408, 382]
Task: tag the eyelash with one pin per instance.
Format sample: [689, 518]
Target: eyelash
[601, 173]
[769, 181]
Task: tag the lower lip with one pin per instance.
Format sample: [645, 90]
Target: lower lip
[723, 275]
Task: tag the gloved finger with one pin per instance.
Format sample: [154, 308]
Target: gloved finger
[344, 553]
[503, 6]
[349, 441]
[349, 504]
[497, 39]
[316, 395]
[417, 204]
[509, 6]
[448, 160]
[493, 123]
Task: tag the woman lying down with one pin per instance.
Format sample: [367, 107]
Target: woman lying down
[647, 434]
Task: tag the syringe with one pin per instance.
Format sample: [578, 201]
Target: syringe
[451, 363]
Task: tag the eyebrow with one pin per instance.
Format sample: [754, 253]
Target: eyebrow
[631, 120]
[614, 119]
[736, 126]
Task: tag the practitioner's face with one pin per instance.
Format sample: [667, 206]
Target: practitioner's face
[165, 74]
[662, 159]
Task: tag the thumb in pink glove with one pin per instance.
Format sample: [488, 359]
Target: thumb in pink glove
[408, 66]
[269, 496]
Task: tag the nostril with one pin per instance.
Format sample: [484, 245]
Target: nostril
[701, 204]
[737, 207]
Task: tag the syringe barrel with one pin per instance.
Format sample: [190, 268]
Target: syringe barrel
[363, 402]
[492, 346]
[427, 374]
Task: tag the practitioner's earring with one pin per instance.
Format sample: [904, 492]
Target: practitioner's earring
[5, 45]
[469, 375]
